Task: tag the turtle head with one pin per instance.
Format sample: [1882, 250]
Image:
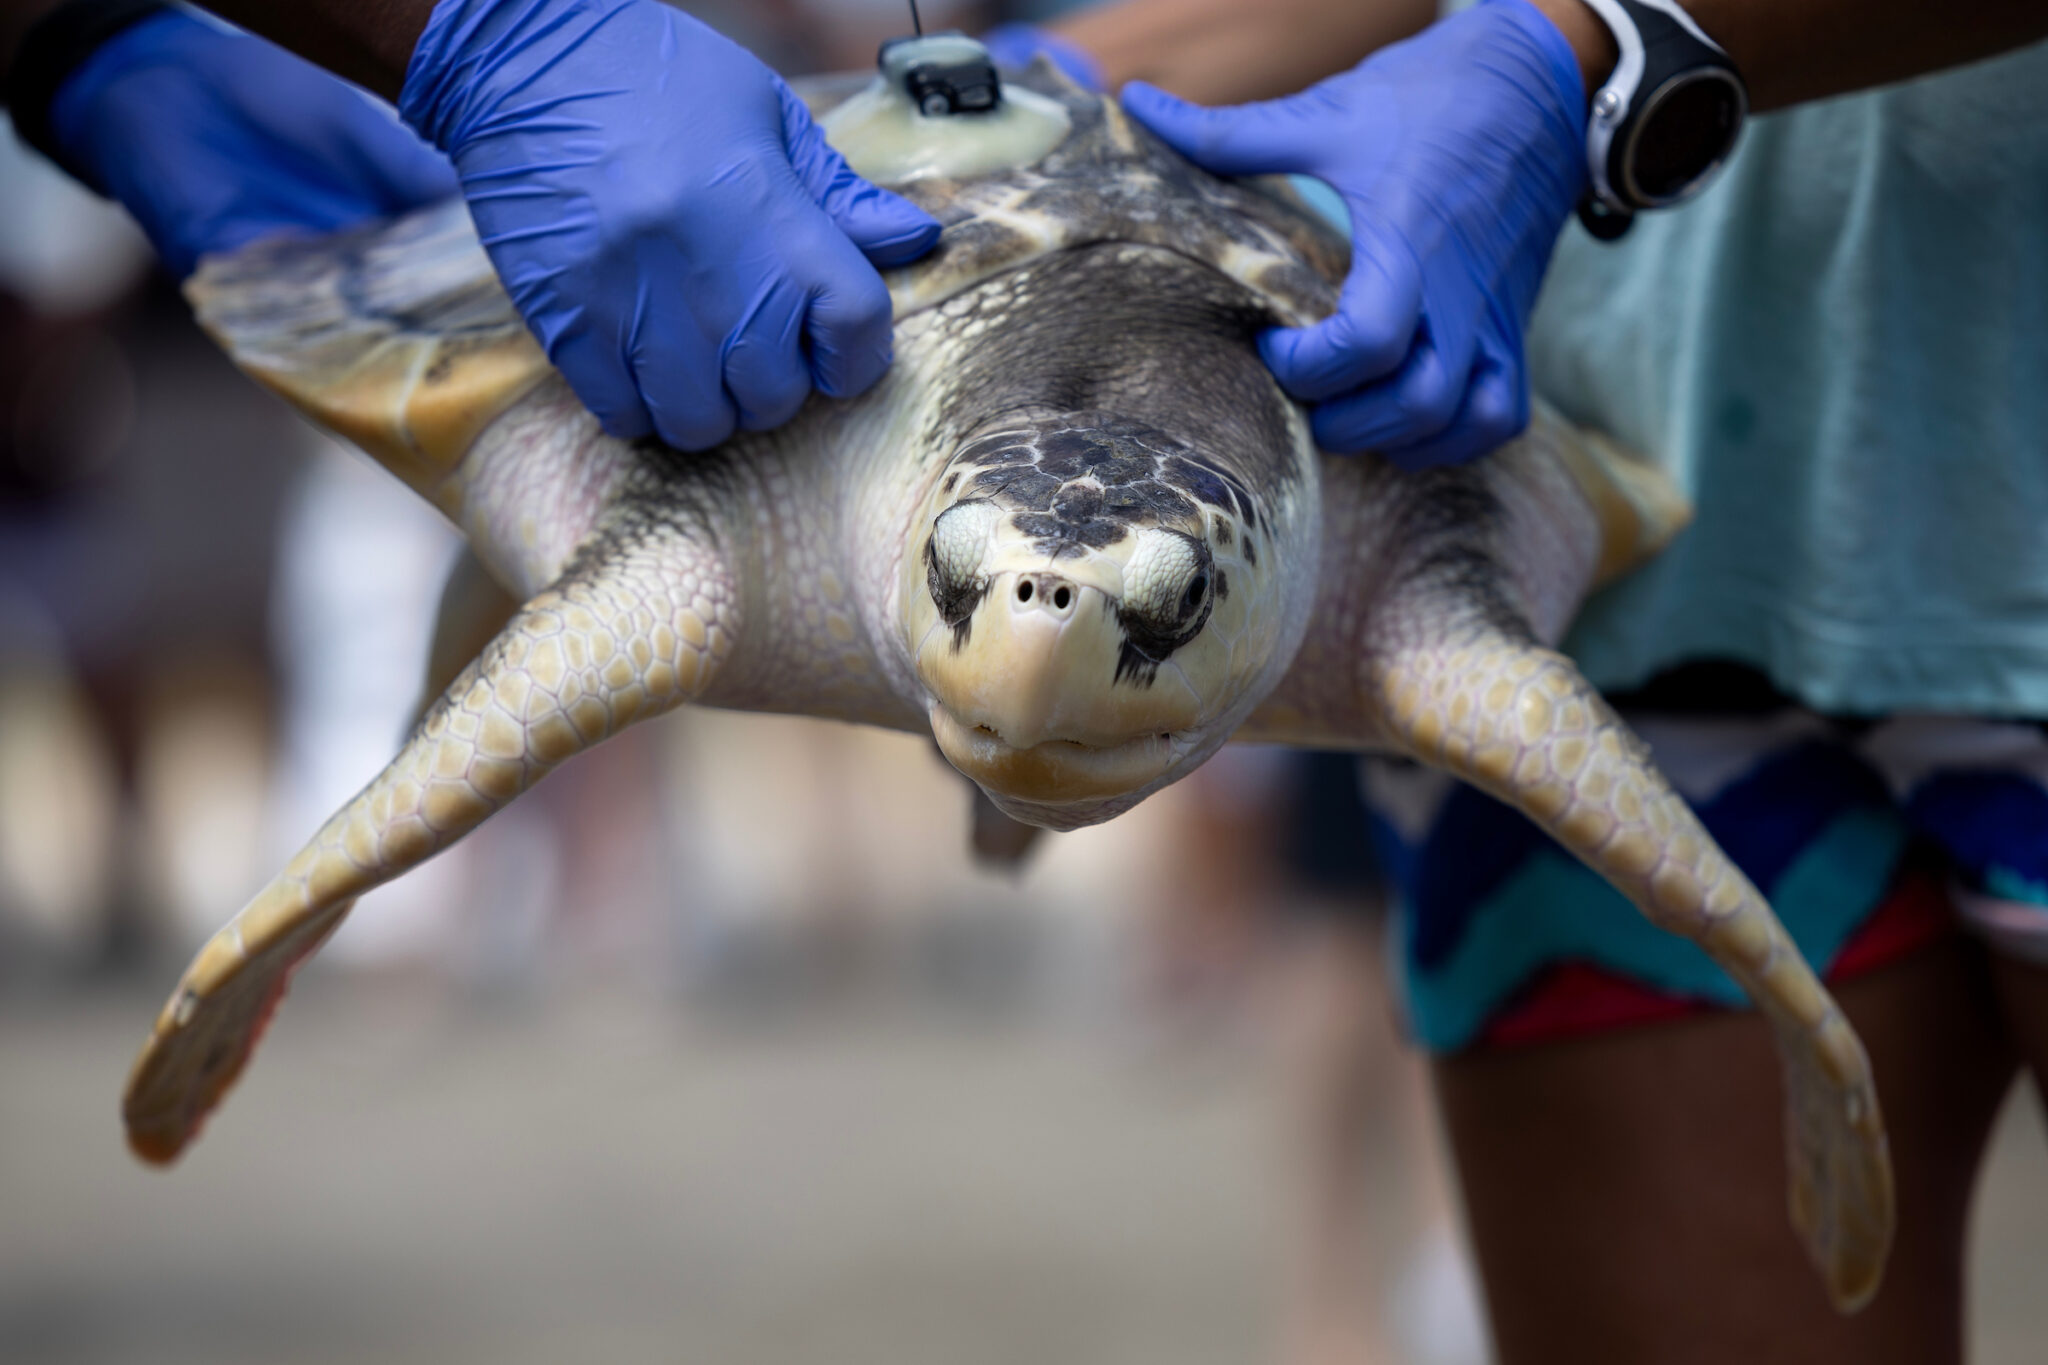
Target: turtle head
[1093, 606]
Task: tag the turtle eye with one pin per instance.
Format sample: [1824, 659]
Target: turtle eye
[953, 557]
[1167, 576]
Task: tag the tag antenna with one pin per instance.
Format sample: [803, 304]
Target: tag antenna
[915, 22]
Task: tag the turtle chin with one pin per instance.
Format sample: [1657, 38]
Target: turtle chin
[1061, 784]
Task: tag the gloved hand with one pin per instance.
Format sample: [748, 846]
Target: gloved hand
[1014, 45]
[1459, 154]
[212, 139]
[669, 221]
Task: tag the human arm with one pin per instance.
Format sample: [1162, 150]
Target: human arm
[211, 138]
[1791, 51]
[1226, 51]
[365, 41]
[1452, 229]
[15, 18]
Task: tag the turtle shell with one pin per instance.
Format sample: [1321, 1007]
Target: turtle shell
[398, 337]
[1110, 180]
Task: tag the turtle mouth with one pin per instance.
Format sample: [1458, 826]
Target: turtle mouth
[1054, 771]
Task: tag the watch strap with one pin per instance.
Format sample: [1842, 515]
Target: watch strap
[1659, 46]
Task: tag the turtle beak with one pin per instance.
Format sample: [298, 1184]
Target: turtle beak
[1030, 662]
[1029, 707]
[1055, 773]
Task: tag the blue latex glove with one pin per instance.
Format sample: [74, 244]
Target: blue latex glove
[1460, 154]
[1014, 45]
[661, 208]
[212, 138]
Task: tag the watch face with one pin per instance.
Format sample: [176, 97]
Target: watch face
[1687, 129]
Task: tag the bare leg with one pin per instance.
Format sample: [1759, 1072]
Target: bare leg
[1216, 900]
[2023, 999]
[1337, 1058]
[1625, 1193]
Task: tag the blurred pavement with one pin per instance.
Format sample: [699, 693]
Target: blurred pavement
[597, 1175]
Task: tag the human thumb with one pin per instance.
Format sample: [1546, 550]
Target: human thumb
[889, 229]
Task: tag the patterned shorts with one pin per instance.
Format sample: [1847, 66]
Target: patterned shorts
[1872, 839]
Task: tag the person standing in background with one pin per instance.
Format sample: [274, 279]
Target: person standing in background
[1837, 351]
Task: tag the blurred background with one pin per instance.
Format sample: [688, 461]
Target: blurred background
[720, 1046]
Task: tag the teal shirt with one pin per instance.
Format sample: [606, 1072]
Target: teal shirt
[1841, 352]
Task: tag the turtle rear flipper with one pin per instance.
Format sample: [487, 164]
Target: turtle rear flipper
[638, 624]
[395, 336]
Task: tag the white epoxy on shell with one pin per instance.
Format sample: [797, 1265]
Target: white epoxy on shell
[889, 140]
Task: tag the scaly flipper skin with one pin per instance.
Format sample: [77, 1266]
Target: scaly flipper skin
[1470, 571]
[636, 626]
[1517, 721]
[1453, 674]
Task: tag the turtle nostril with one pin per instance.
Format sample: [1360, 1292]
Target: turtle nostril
[1046, 592]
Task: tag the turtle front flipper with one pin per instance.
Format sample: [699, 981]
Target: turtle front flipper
[1520, 723]
[1471, 572]
[1439, 589]
[637, 624]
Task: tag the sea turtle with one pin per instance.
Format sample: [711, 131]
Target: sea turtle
[1077, 533]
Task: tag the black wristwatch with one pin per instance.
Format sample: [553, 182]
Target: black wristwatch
[1666, 119]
